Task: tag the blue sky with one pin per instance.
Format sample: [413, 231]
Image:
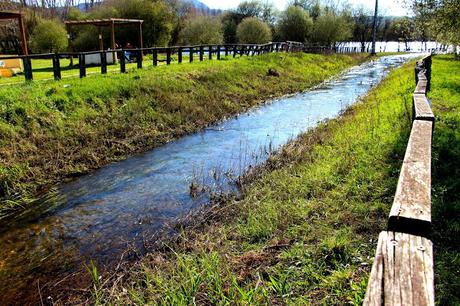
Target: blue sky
[388, 7]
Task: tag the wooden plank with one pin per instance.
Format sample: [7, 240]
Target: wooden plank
[123, 61]
[56, 67]
[402, 268]
[27, 63]
[374, 292]
[421, 108]
[179, 55]
[402, 273]
[422, 75]
[421, 87]
[82, 65]
[411, 210]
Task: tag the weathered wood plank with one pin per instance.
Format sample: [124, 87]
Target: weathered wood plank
[421, 108]
[411, 210]
[421, 87]
[374, 292]
[402, 271]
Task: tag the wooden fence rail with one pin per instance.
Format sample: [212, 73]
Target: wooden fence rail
[402, 273]
[164, 54]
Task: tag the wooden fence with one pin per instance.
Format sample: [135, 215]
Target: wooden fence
[402, 273]
[165, 55]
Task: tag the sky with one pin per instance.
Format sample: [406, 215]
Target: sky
[388, 7]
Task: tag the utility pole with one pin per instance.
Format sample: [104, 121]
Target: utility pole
[374, 27]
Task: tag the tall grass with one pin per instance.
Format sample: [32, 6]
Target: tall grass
[445, 96]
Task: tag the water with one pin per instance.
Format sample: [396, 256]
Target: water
[398, 46]
[99, 215]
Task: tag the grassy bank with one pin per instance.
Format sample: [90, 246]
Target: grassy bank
[53, 130]
[445, 96]
[303, 232]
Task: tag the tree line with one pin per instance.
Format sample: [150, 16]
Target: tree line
[175, 22]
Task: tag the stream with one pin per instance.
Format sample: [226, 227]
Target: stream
[99, 215]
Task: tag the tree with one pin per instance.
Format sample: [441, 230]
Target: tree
[295, 24]
[265, 11]
[313, 7]
[253, 31]
[330, 28]
[404, 29]
[158, 18]
[158, 26]
[441, 17]
[202, 30]
[251, 8]
[229, 24]
[363, 26]
[49, 36]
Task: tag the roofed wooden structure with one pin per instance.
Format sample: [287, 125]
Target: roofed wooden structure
[109, 22]
[20, 17]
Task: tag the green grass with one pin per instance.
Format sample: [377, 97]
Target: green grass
[304, 230]
[445, 96]
[53, 130]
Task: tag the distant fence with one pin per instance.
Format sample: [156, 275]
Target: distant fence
[165, 54]
[402, 273]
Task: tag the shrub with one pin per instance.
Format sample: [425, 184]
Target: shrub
[295, 24]
[49, 36]
[253, 31]
[202, 30]
[330, 28]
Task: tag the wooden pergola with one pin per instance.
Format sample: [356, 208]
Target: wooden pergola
[20, 17]
[110, 22]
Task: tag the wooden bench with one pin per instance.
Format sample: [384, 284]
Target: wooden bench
[411, 210]
[402, 273]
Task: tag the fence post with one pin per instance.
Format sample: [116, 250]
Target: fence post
[190, 53]
[234, 51]
[56, 67]
[210, 52]
[122, 62]
[218, 52]
[179, 55]
[155, 57]
[27, 68]
[139, 59]
[168, 56]
[417, 70]
[81, 64]
[201, 53]
[226, 50]
[103, 56]
[428, 72]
